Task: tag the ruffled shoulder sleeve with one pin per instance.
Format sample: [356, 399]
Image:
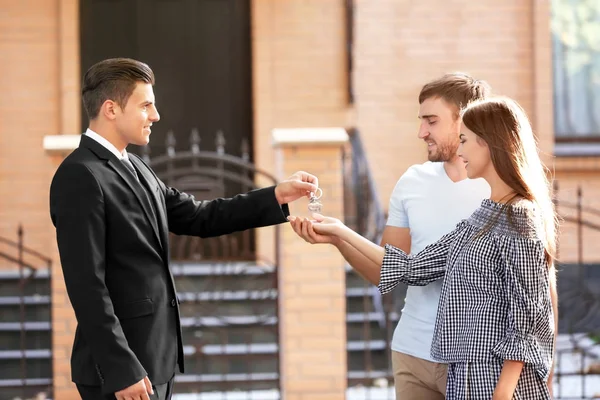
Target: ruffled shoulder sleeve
[530, 328]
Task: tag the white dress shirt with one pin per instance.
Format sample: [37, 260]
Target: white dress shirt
[108, 145]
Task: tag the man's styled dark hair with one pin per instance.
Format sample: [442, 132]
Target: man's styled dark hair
[112, 79]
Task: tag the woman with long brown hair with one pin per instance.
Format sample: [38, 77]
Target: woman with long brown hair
[494, 324]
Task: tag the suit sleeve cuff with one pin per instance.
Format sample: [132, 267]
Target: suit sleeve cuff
[277, 213]
[119, 379]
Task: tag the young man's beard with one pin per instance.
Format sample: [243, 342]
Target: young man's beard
[443, 153]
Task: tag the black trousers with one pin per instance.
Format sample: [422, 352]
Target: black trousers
[161, 392]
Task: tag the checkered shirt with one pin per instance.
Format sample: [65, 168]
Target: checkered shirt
[495, 301]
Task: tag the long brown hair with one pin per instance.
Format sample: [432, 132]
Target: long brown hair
[503, 125]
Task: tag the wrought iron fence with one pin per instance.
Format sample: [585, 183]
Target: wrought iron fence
[577, 363]
[228, 291]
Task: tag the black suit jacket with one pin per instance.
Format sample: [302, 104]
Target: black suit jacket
[113, 246]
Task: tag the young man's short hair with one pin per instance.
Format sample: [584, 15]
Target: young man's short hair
[457, 88]
[112, 79]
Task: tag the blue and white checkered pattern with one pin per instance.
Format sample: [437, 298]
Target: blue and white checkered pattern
[495, 302]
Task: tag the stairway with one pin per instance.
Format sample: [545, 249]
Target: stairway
[230, 326]
[230, 329]
[368, 335]
[34, 336]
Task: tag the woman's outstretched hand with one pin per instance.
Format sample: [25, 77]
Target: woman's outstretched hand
[319, 230]
[322, 229]
[326, 225]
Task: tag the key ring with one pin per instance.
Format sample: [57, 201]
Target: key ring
[314, 196]
[314, 205]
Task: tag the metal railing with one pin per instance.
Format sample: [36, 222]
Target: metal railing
[365, 215]
[364, 212]
[577, 363]
[27, 260]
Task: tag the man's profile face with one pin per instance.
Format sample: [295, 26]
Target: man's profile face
[135, 119]
[439, 128]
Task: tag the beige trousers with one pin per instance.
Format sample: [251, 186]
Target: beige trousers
[418, 379]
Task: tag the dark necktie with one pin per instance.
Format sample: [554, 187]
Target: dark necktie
[130, 167]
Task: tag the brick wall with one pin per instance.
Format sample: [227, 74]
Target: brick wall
[298, 74]
[29, 110]
[312, 281]
[39, 79]
[299, 68]
[573, 174]
[402, 44]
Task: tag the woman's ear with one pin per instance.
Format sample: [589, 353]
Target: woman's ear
[480, 141]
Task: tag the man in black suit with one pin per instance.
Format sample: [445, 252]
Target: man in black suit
[112, 217]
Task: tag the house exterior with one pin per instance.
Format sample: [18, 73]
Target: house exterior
[255, 68]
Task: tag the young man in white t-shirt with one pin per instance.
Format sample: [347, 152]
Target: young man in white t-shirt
[427, 202]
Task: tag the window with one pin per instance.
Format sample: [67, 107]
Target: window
[576, 66]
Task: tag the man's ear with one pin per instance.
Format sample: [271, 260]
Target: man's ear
[109, 109]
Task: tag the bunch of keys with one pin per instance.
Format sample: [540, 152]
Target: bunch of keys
[314, 205]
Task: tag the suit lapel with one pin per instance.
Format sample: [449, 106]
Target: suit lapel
[148, 179]
[139, 192]
[118, 166]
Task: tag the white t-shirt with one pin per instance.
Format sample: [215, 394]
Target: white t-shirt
[428, 202]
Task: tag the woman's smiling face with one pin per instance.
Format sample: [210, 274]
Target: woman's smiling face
[475, 154]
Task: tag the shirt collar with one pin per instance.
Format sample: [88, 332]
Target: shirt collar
[108, 145]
